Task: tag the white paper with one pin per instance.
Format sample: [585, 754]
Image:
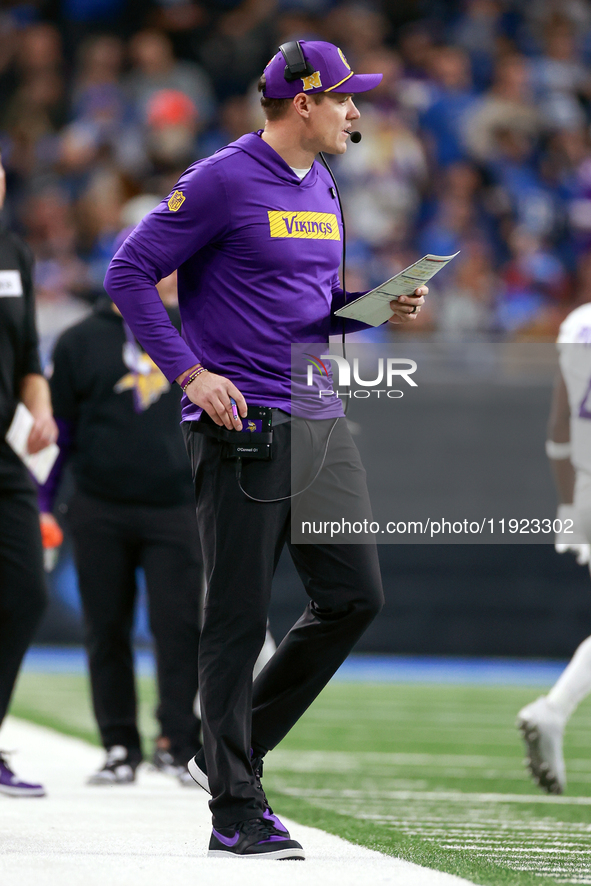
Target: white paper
[17, 436]
[11, 284]
[374, 308]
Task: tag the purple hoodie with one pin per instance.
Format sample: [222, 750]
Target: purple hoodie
[257, 252]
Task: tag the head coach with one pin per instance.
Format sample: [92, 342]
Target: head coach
[252, 280]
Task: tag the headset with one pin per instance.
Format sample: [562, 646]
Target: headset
[296, 67]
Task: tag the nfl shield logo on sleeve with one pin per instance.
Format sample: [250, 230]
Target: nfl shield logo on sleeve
[176, 201]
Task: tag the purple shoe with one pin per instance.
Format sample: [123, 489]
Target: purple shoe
[255, 838]
[198, 773]
[12, 786]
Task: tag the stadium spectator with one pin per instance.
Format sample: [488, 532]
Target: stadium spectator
[533, 204]
[572, 169]
[155, 68]
[454, 221]
[509, 105]
[97, 95]
[559, 78]
[238, 45]
[477, 30]
[533, 285]
[466, 306]
[358, 28]
[582, 288]
[451, 100]
[61, 276]
[235, 117]
[171, 130]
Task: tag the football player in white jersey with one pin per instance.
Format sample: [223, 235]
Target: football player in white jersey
[542, 722]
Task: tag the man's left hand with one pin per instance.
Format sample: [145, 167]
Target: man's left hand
[43, 432]
[407, 307]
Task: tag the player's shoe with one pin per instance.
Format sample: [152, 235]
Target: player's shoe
[256, 838]
[173, 764]
[164, 762]
[198, 772]
[542, 729]
[13, 786]
[119, 768]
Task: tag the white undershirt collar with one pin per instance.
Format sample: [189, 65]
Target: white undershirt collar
[301, 173]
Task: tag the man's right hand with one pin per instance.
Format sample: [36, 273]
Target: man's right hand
[212, 393]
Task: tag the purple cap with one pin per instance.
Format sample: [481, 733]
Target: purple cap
[332, 73]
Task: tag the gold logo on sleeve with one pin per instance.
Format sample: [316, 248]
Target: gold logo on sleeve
[312, 82]
[176, 201]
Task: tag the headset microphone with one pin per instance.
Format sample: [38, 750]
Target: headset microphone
[355, 137]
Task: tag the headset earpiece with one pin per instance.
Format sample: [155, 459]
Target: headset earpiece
[296, 65]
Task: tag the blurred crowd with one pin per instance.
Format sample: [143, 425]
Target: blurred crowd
[477, 140]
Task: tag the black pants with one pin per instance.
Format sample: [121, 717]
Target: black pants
[23, 594]
[110, 541]
[242, 541]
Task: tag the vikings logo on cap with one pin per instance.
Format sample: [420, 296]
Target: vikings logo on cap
[343, 59]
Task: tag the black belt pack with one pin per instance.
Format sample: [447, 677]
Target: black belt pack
[255, 440]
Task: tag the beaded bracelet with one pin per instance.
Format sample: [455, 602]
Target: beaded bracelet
[192, 376]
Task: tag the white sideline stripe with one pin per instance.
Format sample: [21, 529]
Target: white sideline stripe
[151, 833]
[346, 760]
[451, 796]
[523, 850]
[304, 759]
[439, 825]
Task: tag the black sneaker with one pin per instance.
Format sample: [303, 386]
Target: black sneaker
[119, 768]
[198, 772]
[164, 762]
[174, 764]
[256, 838]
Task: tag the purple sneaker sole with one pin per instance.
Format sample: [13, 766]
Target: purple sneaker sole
[276, 855]
[22, 790]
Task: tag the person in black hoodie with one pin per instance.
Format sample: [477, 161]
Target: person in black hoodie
[132, 506]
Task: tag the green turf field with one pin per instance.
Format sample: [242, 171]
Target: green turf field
[430, 773]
